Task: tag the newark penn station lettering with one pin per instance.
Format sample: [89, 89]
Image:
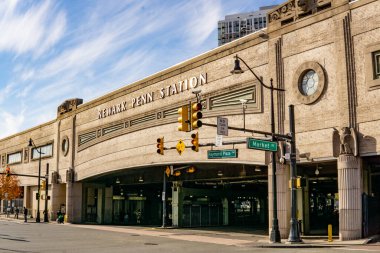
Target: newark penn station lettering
[114, 109]
[173, 89]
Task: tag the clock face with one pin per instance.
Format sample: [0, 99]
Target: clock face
[309, 83]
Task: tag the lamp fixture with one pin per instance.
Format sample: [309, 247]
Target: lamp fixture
[316, 171]
[141, 179]
[237, 69]
[220, 173]
[257, 169]
[117, 180]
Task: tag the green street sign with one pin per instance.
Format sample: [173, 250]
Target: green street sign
[262, 145]
[220, 154]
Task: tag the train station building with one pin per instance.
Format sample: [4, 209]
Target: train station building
[325, 54]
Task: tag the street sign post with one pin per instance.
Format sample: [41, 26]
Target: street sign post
[262, 144]
[220, 154]
[222, 126]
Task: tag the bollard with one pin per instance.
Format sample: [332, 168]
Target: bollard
[329, 233]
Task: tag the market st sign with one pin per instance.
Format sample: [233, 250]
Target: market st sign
[167, 91]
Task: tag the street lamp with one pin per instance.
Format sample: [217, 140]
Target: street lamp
[275, 232]
[32, 145]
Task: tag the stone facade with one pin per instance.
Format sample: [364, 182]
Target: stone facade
[118, 131]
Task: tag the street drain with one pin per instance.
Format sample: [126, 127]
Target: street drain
[149, 243]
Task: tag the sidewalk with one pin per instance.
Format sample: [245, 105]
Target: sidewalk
[218, 235]
[224, 237]
[3, 216]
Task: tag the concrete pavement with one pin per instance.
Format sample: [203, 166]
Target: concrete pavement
[220, 236]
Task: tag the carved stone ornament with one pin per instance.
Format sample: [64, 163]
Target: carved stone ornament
[69, 105]
[345, 142]
[305, 5]
[70, 176]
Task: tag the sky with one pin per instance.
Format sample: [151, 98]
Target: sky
[54, 50]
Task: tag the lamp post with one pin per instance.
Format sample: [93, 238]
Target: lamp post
[275, 232]
[32, 145]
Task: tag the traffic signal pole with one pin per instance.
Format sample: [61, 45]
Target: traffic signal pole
[164, 201]
[46, 219]
[294, 234]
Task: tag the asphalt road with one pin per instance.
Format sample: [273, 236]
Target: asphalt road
[19, 237]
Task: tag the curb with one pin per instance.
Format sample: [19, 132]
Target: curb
[305, 246]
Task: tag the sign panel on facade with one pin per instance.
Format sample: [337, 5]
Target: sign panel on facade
[222, 126]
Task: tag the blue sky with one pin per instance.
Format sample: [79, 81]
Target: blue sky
[54, 50]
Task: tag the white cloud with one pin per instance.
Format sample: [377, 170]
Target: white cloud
[10, 123]
[28, 29]
[203, 19]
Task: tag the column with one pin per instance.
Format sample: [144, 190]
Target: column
[283, 198]
[225, 211]
[176, 204]
[69, 202]
[74, 202]
[350, 206]
[58, 198]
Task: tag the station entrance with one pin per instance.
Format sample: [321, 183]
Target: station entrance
[213, 195]
[320, 198]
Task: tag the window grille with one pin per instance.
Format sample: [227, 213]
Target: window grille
[376, 64]
[46, 151]
[14, 158]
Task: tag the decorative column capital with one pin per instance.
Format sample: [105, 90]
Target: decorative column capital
[345, 142]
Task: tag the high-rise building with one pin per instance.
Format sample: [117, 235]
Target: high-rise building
[238, 25]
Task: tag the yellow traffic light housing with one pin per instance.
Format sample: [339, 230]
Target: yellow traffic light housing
[190, 170]
[183, 118]
[43, 185]
[195, 142]
[160, 145]
[196, 114]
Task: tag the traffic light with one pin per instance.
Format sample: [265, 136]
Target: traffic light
[190, 170]
[160, 145]
[196, 114]
[43, 185]
[183, 118]
[300, 182]
[8, 171]
[195, 142]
